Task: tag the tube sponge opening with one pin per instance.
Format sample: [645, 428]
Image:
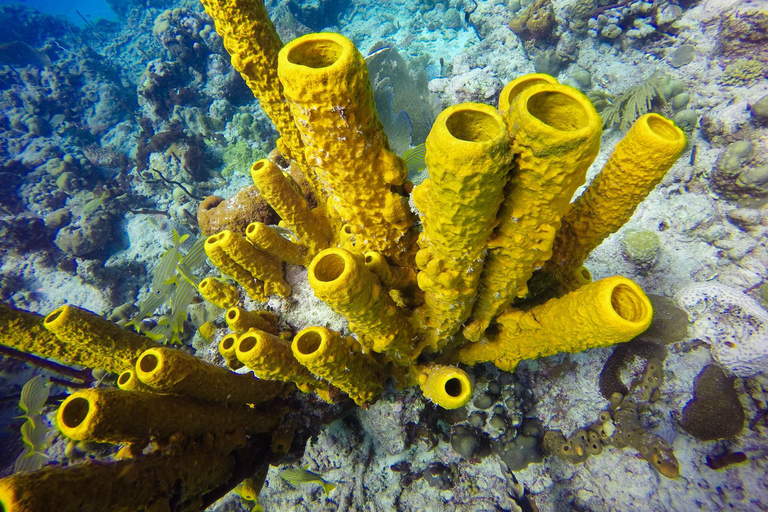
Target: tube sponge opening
[473, 125]
[330, 267]
[447, 386]
[74, 412]
[307, 343]
[315, 53]
[629, 305]
[559, 110]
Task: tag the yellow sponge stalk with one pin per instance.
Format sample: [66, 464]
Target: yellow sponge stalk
[241, 320]
[311, 227]
[556, 137]
[326, 83]
[218, 292]
[469, 159]
[245, 263]
[637, 164]
[118, 416]
[277, 246]
[447, 386]
[101, 344]
[172, 371]
[253, 43]
[603, 313]
[341, 280]
[24, 331]
[228, 350]
[339, 360]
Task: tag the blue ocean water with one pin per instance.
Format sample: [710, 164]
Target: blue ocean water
[91, 10]
[127, 150]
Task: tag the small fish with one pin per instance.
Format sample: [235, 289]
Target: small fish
[377, 51]
[305, 476]
[19, 53]
[34, 394]
[414, 158]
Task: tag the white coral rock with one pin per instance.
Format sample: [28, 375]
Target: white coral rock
[733, 324]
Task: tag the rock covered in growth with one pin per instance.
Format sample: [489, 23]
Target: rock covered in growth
[216, 214]
[734, 325]
[715, 411]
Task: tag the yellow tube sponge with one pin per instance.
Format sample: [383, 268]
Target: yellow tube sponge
[245, 263]
[276, 245]
[638, 163]
[556, 137]
[469, 159]
[228, 350]
[149, 483]
[172, 371]
[400, 281]
[516, 86]
[311, 227]
[218, 292]
[240, 320]
[108, 345]
[447, 386]
[22, 330]
[603, 313]
[118, 416]
[253, 43]
[326, 83]
[342, 281]
[271, 358]
[128, 381]
[339, 360]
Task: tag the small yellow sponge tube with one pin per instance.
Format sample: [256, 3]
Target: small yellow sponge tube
[128, 381]
[447, 386]
[638, 163]
[245, 263]
[218, 292]
[240, 320]
[271, 358]
[516, 86]
[341, 280]
[228, 350]
[311, 227]
[118, 416]
[100, 342]
[603, 313]
[556, 137]
[276, 245]
[468, 156]
[339, 360]
[172, 371]
[326, 83]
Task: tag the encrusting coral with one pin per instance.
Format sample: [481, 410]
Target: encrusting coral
[486, 236]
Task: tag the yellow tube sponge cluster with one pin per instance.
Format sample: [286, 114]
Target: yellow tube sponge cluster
[469, 159]
[241, 320]
[253, 43]
[638, 163]
[326, 83]
[311, 227]
[341, 280]
[171, 371]
[518, 85]
[271, 358]
[257, 272]
[101, 343]
[603, 313]
[218, 292]
[447, 386]
[556, 137]
[339, 360]
[118, 416]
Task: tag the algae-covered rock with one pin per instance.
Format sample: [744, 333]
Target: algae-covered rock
[641, 247]
[734, 178]
[216, 214]
[682, 55]
[686, 119]
[760, 110]
[715, 411]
